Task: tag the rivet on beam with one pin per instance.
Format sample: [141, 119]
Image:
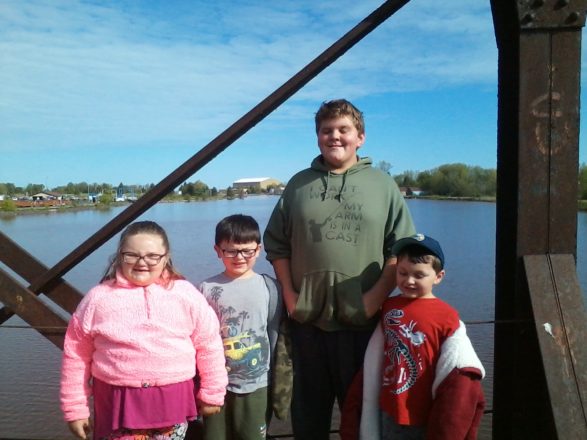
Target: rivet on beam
[528, 18]
[573, 17]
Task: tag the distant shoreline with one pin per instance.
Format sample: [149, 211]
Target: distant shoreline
[582, 205]
[47, 210]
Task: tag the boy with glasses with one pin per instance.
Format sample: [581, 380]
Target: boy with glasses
[249, 308]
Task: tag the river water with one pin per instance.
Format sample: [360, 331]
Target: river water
[29, 365]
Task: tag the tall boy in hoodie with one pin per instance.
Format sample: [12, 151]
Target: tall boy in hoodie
[329, 239]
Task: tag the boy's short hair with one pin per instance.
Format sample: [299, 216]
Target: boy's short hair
[418, 248]
[339, 108]
[417, 254]
[238, 228]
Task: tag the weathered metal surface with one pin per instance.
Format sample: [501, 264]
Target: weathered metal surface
[29, 268]
[534, 100]
[538, 120]
[32, 310]
[560, 326]
[221, 142]
[554, 14]
[548, 140]
[564, 141]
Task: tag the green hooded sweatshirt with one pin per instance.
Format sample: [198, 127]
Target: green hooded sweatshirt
[337, 230]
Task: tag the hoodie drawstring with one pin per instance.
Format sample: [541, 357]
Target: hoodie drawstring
[327, 184]
[339, 196]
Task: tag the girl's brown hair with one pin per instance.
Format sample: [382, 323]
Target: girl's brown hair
[143, 227]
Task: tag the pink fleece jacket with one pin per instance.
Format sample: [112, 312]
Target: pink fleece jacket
[134, 336]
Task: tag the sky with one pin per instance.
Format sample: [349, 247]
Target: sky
[126, 91]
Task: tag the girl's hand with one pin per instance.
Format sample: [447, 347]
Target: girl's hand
[80, 428]
[208, 410]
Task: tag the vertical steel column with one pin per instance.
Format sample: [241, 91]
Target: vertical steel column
[539, 45]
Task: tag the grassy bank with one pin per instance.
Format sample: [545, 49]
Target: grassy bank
[14, 210]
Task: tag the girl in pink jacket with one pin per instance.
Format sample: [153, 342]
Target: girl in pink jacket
[134, 344]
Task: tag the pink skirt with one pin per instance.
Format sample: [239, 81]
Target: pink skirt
[118, 407]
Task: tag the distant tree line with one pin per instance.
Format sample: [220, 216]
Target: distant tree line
[76, 189]
[449, 180]
[452, 180]
[583, 182]
[460, 180]
[197, 189]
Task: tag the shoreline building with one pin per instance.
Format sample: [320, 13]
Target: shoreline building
[260, 183]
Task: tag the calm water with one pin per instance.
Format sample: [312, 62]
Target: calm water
[29, 365]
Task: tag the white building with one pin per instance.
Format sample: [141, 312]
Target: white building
[255, 182]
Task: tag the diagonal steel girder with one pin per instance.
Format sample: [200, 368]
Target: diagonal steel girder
[220, 143]
[29, 268]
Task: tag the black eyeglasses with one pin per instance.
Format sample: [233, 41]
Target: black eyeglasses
[246, 253]
[149, 259]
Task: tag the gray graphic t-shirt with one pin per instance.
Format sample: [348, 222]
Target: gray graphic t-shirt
[242, 308]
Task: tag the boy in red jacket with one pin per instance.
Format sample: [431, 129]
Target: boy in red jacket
[424, 382]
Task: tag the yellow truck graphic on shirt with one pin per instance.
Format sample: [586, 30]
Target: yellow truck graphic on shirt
[238, 350]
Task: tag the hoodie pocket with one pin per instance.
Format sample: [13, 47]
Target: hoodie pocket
[330, 296]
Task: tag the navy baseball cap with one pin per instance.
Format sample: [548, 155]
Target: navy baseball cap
[421, 240]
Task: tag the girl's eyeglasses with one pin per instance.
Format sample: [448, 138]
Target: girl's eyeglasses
[149, 259]
[246, 253]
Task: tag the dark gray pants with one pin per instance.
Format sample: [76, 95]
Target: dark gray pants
[324, 366]
[390, 430]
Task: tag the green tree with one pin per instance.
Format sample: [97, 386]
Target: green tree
[583, 181]
[201, 189]
[453, 180]
[34, 188]
[407, 178]
[106, 198]
[384, 166]
[7, 205]
[7, 189]
[70, 188]
[187, 189]
[195, 189]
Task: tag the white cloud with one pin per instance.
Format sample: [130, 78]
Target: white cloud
[82, 73]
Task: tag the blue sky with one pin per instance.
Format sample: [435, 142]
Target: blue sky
[126, 91]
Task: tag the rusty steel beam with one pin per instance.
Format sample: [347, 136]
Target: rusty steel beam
[221, 142]
[539, 46]
[29, 268]
[32, 310]
[560, 328]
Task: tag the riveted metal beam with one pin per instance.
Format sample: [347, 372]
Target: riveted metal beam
[551, 14]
